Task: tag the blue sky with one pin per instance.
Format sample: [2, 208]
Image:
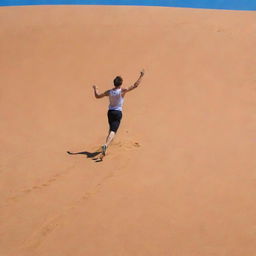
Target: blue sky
[205, 4]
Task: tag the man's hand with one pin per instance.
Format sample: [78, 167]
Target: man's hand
[94, 87]
[142, 73]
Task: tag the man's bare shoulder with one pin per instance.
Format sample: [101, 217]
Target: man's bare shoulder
[124, 91]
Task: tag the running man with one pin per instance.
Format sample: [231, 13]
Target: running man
[116, 100]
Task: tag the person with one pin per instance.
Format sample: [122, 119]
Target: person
[116, 100]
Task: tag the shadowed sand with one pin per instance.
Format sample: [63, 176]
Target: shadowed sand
[179, 179]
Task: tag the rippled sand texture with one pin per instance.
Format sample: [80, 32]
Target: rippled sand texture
[179, 179]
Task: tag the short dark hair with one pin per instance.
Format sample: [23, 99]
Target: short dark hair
[118, 81]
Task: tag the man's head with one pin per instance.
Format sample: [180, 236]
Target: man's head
[118, 81]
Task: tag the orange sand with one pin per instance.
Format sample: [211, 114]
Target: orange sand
[179, 179]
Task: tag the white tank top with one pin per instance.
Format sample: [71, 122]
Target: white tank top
[115, 100]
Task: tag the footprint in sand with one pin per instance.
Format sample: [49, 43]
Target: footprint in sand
[51, 180]
[136, 144]
[127, 144]
[26, 190]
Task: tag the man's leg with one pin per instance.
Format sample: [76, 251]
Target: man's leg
[114, 119]
[110, 137]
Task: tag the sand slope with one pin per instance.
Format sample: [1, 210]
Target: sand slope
[179, 178]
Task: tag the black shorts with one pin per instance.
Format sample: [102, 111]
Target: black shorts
[114, 119]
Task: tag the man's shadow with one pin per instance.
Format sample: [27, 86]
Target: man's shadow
[92, 155]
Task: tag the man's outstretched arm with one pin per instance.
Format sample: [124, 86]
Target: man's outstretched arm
[135, 85]
[97, 94]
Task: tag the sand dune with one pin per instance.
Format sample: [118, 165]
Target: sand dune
[179, 179]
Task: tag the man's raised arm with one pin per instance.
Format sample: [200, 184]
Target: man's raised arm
[97, 94]
[136, 84]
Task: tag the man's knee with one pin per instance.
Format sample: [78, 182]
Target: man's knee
[112, 133]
